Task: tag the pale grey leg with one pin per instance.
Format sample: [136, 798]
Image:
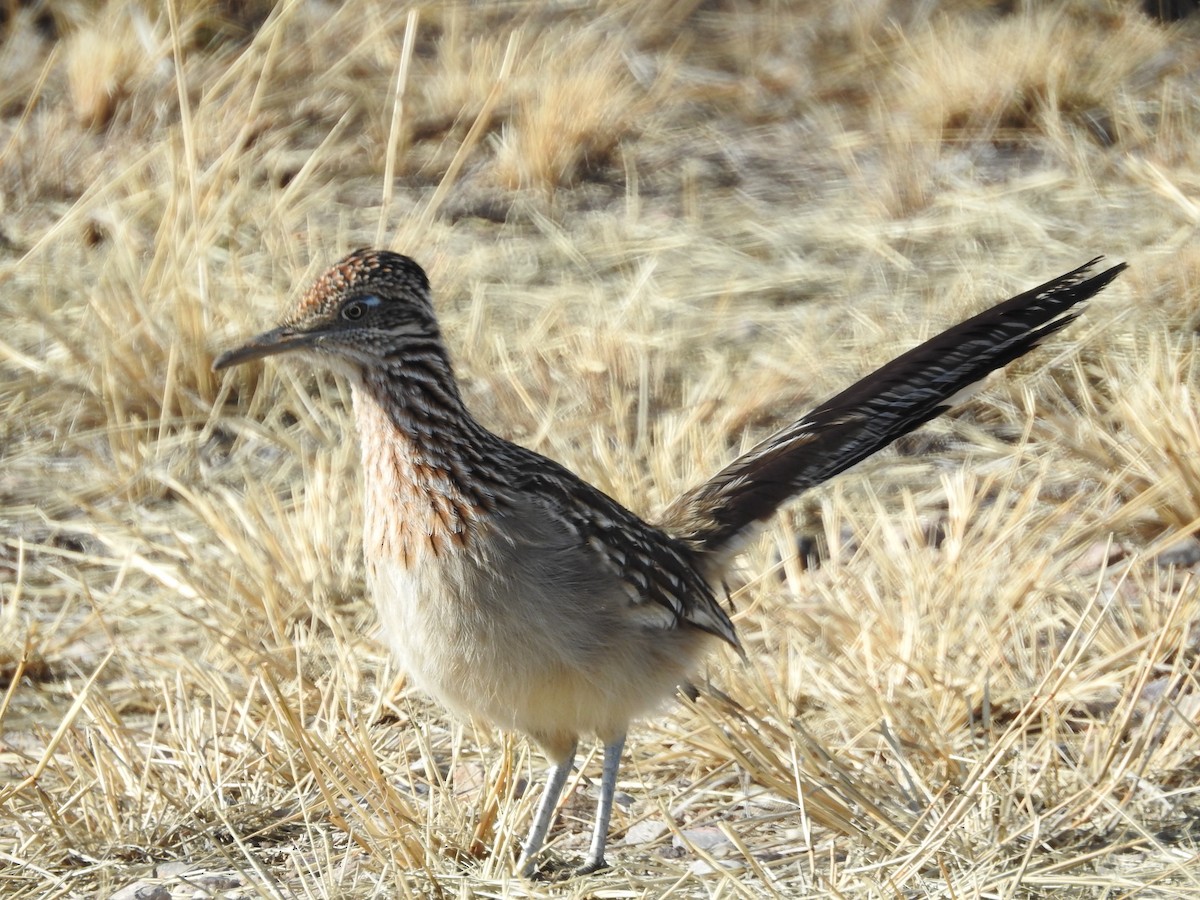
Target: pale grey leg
[608, 786]
[545, 813]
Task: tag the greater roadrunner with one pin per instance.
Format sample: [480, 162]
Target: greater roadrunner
[511, 589]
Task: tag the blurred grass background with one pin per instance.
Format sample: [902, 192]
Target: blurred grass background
[655, 231]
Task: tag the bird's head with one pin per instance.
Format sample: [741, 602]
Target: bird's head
[361, 313]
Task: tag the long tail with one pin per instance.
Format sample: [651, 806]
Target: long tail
[869, 415]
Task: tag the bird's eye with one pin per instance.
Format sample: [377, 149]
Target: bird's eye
[357, 308]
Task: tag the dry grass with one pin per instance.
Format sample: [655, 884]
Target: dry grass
[653, 237]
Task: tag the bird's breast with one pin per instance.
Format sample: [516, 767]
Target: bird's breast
[418, 498]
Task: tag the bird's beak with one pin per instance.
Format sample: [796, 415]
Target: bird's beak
[269, 343]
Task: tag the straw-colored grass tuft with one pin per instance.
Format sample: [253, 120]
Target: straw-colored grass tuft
[577, 101]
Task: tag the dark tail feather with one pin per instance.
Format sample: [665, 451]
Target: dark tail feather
[869, 415]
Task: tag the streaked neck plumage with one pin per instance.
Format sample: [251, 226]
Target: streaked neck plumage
[424, 459]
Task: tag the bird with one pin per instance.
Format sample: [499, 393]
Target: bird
[510, 589]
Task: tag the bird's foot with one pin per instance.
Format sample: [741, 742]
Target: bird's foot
[591, 867]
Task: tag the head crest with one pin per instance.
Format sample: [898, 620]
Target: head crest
[364, 271]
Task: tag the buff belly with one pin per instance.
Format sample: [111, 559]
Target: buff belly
[587, 669]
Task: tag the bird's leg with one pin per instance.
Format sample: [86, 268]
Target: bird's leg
[545, 812]
[608, 787]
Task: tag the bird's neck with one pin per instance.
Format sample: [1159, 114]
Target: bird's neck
[425, 464]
